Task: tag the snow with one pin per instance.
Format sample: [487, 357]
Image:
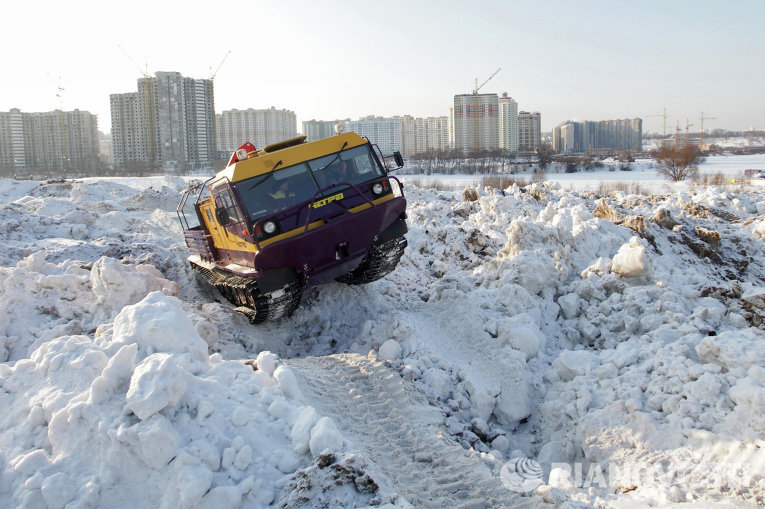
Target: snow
[609, 348]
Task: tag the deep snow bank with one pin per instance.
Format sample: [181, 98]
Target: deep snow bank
[110, 395]
[650, 356]
[140, 415]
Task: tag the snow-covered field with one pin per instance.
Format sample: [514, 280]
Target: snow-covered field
[536, 345]
[642, 174]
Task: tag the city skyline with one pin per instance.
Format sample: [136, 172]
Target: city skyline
[587, 61]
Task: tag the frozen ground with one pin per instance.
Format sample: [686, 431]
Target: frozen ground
[642, 174]
[537, 345]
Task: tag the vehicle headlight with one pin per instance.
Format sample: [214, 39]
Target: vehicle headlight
[377, 188]
[269, 227]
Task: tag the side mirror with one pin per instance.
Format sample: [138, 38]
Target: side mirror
[397, 163]
[399, 159]
[222, 215]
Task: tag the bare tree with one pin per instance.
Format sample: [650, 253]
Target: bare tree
[545, 155]
[678, 164]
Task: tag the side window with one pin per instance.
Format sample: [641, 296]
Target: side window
[227, 202]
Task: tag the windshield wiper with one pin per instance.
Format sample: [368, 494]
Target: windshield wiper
[256, 184]
[334, 158]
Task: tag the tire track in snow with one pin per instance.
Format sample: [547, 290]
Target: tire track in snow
[394, 425]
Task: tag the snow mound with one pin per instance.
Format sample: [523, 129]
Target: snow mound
[142, 415]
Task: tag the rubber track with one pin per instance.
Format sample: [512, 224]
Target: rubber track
[393, 424]
[243, 292]
[380, 261]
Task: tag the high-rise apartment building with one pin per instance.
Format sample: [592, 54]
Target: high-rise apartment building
[475, 121]
[508, 124]
[529, 131]
[54, 141]
[260, 127]
[406, 134]
[420, 135]
[169, 123]
[611, 135]
[385, 132]
[320, 129]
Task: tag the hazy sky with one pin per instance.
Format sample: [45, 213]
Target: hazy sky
[327, 59]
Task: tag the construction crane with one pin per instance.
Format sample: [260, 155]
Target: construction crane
[477, 87]
[703, 118]
[665, 119]
[688, 125]
[213, 74]
[59, 92]
[145, 71]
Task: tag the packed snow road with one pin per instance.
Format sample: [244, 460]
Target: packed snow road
[395, 426]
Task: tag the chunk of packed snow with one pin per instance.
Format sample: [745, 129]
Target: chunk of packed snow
[158, 324]
[390, 350]
[157, 383]
[572, 363]
[117, 285]
[632, 260]
[325, 435]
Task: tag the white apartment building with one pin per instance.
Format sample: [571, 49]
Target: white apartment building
[422, 135]
[260, 127]
[406, 134]
[385, 132]
[48, 141]
[320, 129]
[476, 122]
[508, 124]
[529, 131]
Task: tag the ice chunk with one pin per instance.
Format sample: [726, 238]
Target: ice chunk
[116, 285]
[632, 260]
[157, 383]
[58, 490]
[325, 435]
[301, 430]
[569, 305]
[562, 479]
[755, 297]
[734, 350]
[573, 363]
[158, 324]
[522, 333]
[513, 403]
[600, 267]
[116, 373]
[266, 362]
[287, 382]
[439, 382]
[390, 350]
[193, 482]
[158, 441]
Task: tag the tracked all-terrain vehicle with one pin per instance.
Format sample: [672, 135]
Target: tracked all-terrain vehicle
[293, 215]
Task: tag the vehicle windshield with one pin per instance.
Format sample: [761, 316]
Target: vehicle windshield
[275, 191]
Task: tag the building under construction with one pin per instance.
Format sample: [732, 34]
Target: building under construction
[602, 136]
[475, 122]
[168, 123]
